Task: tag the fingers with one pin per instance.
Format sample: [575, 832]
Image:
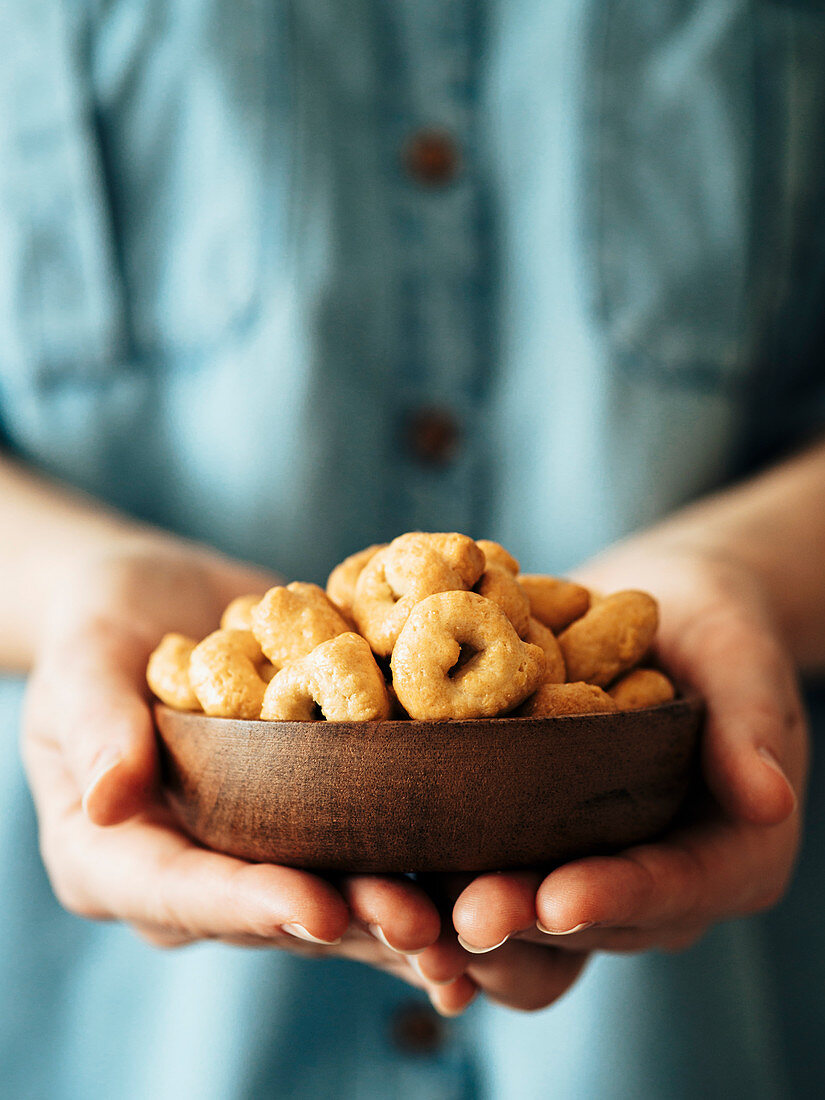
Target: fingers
[397, 912]
[114, 761]
[755, 733]
[670, 939]
[518, 975]
[525, 977]
[144, 873]
[741, 759]
[493, 907]
[703, 873]
[86, 703]
[619, 890]
[442, 962]
[440, 970]
[161, 937]
[489, 911]
[452, 999]
[443, 979]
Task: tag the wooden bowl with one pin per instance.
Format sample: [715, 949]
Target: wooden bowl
[428, 796]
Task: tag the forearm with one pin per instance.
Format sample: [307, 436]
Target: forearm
[774, 526]
[47, 528]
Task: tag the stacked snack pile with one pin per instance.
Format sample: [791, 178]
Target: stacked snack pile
[430, 626]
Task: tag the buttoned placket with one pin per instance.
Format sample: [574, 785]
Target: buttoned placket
[439, 218]
[442, 319]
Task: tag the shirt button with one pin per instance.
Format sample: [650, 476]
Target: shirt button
[433, 435]
[417, 1029]
[431, 157]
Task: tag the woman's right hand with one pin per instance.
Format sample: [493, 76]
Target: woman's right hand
[110, 845]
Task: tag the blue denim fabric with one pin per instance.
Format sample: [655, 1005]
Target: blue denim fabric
[221, 299]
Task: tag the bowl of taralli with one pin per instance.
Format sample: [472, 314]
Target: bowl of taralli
[432, 709]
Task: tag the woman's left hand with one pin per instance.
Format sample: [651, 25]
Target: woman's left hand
[736, 855]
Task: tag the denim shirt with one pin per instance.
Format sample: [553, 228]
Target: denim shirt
[292, 277]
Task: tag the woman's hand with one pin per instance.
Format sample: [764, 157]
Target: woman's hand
[112, 850]
[736, 854]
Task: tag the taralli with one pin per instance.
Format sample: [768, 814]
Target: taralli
[225, 672]
[458, 656]
[267, 670]
[396, 710]
[500, 586]
[339, 680]
[342, 580]
[238, 615]
[495, 554]
[643, 687]
[411, 568]
[167, 673]
[290, 621]
[554, 602]
[431, 626]
[538, 634]
[460, 552]
[555, 700]
[610, 638]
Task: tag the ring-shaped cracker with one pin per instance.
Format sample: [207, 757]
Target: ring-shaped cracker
[500, 586]
[411, 568]
[339, 679]
[610, 638]
[291, 620]
[495, 554]
[460, 552]
[642, 687]
[238, 613]
[167, 672]
[458, 656]
[342, 580]
[556, 700]
[225, 672]
[540, 635]
[555, 602]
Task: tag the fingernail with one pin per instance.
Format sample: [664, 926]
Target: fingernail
[770, 758]
[105, 762]
[416, 965]
[449, 1013]
[565, 931]
[300, 933]
[481, 950]
[378, 932]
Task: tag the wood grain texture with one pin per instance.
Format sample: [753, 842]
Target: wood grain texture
[428, 796]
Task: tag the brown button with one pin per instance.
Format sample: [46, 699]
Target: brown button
[431, 157]
[416, 1029]
[433, 435]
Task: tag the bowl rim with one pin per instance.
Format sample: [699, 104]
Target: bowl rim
[689, 700]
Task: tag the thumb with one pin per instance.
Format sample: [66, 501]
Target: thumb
[86, 702]
[755, 742]
[115, 760]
